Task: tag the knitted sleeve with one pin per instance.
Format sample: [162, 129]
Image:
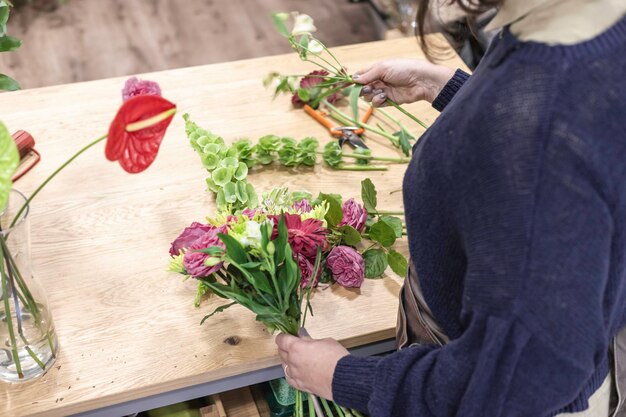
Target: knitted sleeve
[450, 89]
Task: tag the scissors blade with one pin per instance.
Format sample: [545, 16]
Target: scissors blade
[352, 139]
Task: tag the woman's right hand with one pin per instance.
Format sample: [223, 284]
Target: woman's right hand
[403, 81]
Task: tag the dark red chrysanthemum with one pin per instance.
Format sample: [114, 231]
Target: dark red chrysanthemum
[309, 82]
[137, 131]
[305, 236]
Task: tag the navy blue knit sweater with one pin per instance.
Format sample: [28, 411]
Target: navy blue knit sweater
[515, 205]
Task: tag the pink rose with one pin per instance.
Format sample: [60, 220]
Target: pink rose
[306, 268]
[354, 215]
[194, 261]
[136, 87]
[188, 237]
[346, 266]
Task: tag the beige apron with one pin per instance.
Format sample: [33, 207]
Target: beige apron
[416, 325]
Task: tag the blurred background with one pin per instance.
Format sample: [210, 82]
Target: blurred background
[68, 41]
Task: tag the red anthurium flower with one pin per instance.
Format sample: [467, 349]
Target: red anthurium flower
[137, 131]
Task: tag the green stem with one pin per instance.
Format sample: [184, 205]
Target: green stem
[388, 212]
[312, 412]
[359, 168]
[356, 413]
[339, 410]
[327, 409]
[406, 113]
[54, 174]
[318, 100]
[376, 158]
[9, 319]
[365, 126]
[346, 412]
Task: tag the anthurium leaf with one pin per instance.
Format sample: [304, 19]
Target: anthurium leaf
[375, 262]
[9, 43]
[368, 195]
[4, 16]
[9, 160]
[8, 84]
[335, 213]
[395, 223]
[217, 310]
[382, 233]
[397, 262]
[355, 93]
[349, 235]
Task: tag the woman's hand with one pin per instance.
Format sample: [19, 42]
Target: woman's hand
[403, 81]
[309, 364]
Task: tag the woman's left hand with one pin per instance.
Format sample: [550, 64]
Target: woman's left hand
[309, 364]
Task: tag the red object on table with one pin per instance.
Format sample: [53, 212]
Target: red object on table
[29, 157]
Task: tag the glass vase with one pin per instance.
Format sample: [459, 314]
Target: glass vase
[28, 341]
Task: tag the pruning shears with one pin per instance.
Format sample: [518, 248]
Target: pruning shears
[346, 134]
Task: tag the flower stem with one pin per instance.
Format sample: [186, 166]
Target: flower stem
[365, 126]
[338, 410]
[322, 96]
[9, 320]
[54, 174]
[415, 119]
[342, 167]
[376, 158]
[326, 406]
[391, 213]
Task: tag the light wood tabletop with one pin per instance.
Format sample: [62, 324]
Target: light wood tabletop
[100, 237]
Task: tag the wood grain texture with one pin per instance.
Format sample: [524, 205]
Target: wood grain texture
[92, 39]
[100, 237]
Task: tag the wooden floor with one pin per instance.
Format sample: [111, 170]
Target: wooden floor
[92, 39]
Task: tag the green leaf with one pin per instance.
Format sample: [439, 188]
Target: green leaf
[349, 235]
[221, 176]
[368, 195]
[220, 309]
[9, 43]
[304, 95]
[382, 233]
[210, 161]
[9, 161]
[234, 250]
[335, 213]
[355, 93]
[253, 198]
[230, 192]
[395, 223]
[280, 242]
[241, 193]
[279, 23]
[397, 262]
[404, 139]
[4, 16]
[8, 84]
[241, 172]
[375, 262]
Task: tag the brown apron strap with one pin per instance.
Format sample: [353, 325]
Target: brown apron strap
[416, 323]
[619, 372]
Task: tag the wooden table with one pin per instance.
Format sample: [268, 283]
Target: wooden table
[129, 333]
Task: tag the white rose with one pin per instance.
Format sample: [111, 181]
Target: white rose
[303, 24]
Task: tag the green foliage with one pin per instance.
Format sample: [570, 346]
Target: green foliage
[395, 223]
[7, 43]
[397, 262]
[375, 262]
[9, 160]
[368, 195]
[349, 235]
[404, 138]
[334, 213]
[382, 233]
